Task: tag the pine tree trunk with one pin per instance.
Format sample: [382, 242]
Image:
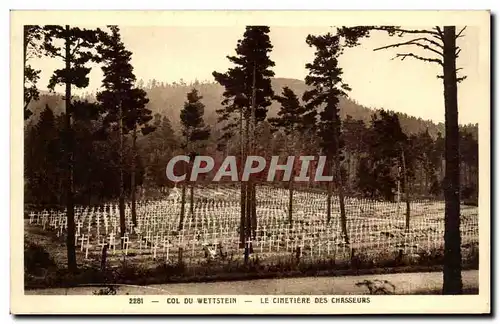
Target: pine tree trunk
[243, 208]
[290, 200]
[426, 179]
[242, 184]
[132, 179]
[70, 238]
[340, 187]
[254, 211]
[183, 202]
[452, 271]
[290, 182]
[349, 176]
[407, 192]
[466, 177]
[329, 194]
[250, 189]
[191, 200]
[121, 199]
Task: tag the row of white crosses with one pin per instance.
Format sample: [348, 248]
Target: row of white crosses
[217, 220]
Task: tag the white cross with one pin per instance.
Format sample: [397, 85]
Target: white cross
[78, 227]
[112, 241]
[125, 243]
[82, 239]
[87, 249]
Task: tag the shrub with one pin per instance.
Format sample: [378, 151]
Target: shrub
[109, 290]
[36, 259]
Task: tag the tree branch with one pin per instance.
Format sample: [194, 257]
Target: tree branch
[460, 33]
[440, 32]
[459, 79]
[76, 47]
[426, 59]
[406, 31]
[59, 55]
[413, 42]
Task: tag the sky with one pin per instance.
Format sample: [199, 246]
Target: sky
[377, 80]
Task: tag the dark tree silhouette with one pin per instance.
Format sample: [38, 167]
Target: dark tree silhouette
[75, 53]
[124, 104]
[325, 78]
[42, 159]
[157, 149]
[32, 36]
[290, 121]
[440, 44]
[138, 116]
[247, 96]
[193, 130]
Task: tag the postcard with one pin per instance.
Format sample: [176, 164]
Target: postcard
[250, 162]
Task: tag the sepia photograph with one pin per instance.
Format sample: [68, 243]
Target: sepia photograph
[247, 162]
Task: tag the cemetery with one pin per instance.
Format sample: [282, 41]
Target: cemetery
[208, 242]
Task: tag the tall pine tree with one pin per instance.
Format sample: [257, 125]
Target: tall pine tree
[325, 78]
[291, 122]
[247, 96]
[124, 104]
[76, 52]
[194, 130]
[138, 118]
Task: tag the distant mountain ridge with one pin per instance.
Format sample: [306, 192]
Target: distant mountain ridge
[168, 100]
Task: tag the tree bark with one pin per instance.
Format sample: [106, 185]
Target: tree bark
[132, 179]
[191, 200]
[452, 270]
[70, 238]
[291, 150]
[254, 212]
[340, 188]
[250, 189]
[183, 202]
[290, 200]
[329, 194]
[407, 192]
[121, 199]
[242, 184]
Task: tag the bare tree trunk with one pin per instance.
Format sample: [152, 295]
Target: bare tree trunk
[242, 184]
[121, 199]
[340, 188]
[329, 193]
[254, 211]
[290, 150]
[183, 202]
[250, 189]
[349, 176]
[132, 178]
[191, 200]
[290, 200]
[70, 212]
[452, 271]
[407, 192]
